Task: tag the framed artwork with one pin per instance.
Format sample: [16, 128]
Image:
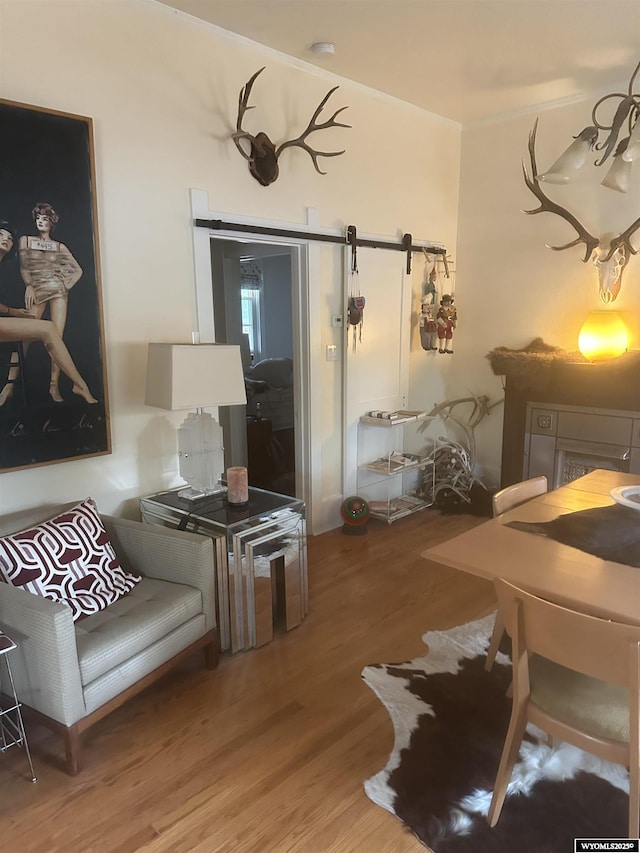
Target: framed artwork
[53, 383]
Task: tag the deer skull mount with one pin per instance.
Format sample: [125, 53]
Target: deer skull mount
[610, 267]
[611, 253]
[263, 154]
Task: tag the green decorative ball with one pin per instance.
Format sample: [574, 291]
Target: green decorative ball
[355, 511]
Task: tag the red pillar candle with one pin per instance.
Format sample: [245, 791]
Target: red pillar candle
[237, 485]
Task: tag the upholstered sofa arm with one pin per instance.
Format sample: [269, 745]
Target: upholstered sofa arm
[166, 554]
[45, 664]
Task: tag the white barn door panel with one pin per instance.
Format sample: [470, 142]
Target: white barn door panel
[376, 374]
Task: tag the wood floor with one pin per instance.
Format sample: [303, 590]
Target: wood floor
[268, 753]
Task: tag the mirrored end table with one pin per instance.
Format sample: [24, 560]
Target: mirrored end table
[261, 559]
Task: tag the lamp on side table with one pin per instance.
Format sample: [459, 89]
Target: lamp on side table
[195, 376]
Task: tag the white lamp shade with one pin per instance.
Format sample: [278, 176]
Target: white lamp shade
[192, 376]
[632, 151]
[572, 159]
[619, 175]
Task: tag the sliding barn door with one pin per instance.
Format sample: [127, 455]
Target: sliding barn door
[376, 370]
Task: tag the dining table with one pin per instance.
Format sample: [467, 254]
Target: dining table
[544, 566]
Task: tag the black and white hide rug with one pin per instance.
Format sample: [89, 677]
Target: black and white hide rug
[450, 718]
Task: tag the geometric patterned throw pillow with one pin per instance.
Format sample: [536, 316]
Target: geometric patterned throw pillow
[68, 559]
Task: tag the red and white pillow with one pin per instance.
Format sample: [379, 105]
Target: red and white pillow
[69, 559]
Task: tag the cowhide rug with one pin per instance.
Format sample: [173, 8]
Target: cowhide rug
[450, 718]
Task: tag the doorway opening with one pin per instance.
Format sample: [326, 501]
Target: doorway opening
[257, 304]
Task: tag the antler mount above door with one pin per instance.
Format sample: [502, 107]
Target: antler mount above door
[263, 154]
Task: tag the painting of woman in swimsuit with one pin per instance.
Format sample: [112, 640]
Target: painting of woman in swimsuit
[50, 291]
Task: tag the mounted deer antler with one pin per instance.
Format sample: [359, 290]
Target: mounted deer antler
[612, 252]
[263, 156]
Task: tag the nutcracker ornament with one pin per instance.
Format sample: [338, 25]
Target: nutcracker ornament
[428, 326]
[446, 320]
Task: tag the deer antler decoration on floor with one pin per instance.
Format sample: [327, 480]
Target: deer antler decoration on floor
[611, 253]
[263, 155]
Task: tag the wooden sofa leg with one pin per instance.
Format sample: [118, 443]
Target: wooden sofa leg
[211, 655]
[72, 749]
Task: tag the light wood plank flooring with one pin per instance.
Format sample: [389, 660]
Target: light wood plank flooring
[268, 753]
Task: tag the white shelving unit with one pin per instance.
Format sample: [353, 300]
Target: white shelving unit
[12, 731]
[390, 476]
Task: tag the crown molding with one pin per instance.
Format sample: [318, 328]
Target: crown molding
[294, 62]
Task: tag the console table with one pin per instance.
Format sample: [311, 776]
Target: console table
[261, 559]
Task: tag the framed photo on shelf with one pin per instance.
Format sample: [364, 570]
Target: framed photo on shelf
[53, 381]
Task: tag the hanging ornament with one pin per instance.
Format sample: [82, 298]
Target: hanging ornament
[447, 320]
[428, 326]
[355, 306]
[447, 316]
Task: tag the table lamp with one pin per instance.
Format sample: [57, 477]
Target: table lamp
[603, 335]
[195, 376]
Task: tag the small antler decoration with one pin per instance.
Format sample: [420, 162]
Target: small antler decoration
[263, 156]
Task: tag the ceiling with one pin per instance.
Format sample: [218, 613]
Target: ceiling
[467, 60]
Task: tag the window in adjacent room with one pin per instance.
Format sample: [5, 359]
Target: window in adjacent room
[251, 290]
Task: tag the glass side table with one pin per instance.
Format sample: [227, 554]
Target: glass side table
[261, 559]
[12, 731]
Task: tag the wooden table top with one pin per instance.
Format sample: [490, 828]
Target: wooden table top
[545, 567]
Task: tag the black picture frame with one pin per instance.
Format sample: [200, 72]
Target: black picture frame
[47, 157]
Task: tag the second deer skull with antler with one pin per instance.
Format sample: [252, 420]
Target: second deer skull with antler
[263, 154]
[611, 253]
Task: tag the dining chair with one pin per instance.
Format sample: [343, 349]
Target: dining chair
[518, 493]
[577, 677]
[506, 499]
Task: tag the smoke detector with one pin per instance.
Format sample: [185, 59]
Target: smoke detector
[323, 48]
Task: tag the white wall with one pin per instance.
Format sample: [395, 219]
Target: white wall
[278, 338]
[162, 90]
[511, 289]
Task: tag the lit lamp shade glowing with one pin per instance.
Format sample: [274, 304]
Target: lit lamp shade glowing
[603, 336]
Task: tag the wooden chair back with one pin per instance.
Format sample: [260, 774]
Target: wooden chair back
[598, 648]
[518, 493]
[503, 500]
[595, 647]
